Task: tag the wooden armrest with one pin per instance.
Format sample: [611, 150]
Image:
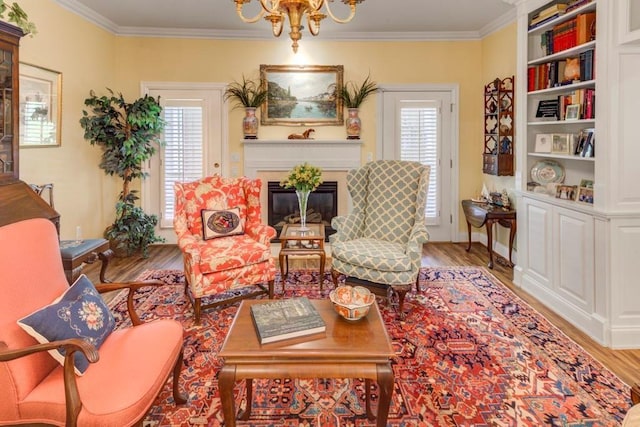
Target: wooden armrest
[132, 287]
[70, 346]
[71, 394]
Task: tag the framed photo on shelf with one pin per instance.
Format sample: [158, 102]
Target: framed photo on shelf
[566, 192]
[573, 112]
[587, 183]
[561, 143]
[40, 106]
[302, 95]
[585, 194]
[543, 143]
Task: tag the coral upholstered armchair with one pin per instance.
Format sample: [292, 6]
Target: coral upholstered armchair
[224, 243]
[120, 380]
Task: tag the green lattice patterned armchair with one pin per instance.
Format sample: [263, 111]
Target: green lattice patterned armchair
[379, 244]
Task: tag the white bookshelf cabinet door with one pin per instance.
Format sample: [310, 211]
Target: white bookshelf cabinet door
[537, 240]
[574, 254]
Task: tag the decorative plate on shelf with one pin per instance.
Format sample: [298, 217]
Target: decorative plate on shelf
[546, 172]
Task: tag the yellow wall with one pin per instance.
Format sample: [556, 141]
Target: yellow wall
[91, 58]
[498, 60]
[85, 55]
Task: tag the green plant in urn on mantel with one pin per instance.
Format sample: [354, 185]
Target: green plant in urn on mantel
[250, 95]
[128, 134]
[353, 96]
[305, 178]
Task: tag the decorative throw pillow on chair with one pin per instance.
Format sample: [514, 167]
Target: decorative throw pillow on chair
[221, 223]
[79, 312]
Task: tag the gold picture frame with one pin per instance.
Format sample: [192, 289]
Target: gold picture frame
[40, 106]
[302, 95]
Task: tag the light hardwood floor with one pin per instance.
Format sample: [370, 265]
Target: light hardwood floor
[625, 363]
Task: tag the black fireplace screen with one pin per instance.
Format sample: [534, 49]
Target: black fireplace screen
[282, 205]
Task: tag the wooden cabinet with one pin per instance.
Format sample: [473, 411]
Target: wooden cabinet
[17, 200]
[9, 79]
[498, 127]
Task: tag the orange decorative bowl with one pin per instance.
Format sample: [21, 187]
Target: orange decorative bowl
[352, 303]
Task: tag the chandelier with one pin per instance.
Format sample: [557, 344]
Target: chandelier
[276, 10]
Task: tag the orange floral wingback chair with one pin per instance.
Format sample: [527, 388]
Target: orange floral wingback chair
[62, 361]
[225, 245]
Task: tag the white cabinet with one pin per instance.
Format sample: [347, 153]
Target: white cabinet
[629, 18]
[581, 259]
[558, 264]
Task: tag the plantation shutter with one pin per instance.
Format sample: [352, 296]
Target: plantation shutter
[419, 143]
[183, 154]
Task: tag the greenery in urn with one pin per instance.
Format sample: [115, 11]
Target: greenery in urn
[353, 96]
[128, 134]
[17, 16]
[248, 93]
[303, 177]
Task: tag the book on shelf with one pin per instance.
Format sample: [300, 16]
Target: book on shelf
[576, 4]
[585, 27]
[284, 319]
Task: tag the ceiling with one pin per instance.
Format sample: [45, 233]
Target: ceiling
[375, 19]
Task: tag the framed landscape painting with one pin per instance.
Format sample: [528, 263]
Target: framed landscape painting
[302, 95]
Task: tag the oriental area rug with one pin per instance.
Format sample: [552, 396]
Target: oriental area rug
[469, 353]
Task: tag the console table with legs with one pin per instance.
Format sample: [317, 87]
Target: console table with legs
[480, 214]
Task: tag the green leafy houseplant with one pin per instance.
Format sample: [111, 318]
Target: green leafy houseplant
[353, 96]
[128, 134]
[17, 16]
[247, 93]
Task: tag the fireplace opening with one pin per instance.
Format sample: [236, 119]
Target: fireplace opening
[282, 206]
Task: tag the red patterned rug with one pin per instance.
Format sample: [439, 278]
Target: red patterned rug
[470, 353]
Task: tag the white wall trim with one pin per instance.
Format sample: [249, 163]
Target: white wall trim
[454, 90]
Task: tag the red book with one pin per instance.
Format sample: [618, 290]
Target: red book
[531, 79]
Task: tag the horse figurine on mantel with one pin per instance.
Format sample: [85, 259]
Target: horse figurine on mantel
[304, 135]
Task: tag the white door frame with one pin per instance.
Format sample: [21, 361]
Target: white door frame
[453, 134]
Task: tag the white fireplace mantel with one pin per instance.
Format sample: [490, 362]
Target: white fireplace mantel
[282, 155]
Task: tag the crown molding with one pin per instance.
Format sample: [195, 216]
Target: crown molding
[499, 23]
[89, 14]
[102, 22]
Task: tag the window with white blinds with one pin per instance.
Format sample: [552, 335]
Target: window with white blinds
[419, 143]
[182, 154]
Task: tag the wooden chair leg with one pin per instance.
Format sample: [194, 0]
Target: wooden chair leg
[334, 276]
[271, 290]
[178, 398]
[401, 291]
[418, 290]
[197, 309]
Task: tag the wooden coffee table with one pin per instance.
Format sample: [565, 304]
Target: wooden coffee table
[345, 350]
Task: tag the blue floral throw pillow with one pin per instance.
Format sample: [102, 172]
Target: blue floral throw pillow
[79, 313]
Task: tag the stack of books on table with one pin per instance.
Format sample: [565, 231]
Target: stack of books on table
[283, 319]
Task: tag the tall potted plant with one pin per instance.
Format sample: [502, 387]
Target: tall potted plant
[353, 96]
[249, 95]
[128, 134]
